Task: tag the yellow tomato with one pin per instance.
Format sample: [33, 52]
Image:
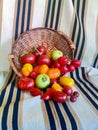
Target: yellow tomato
[25, 71]
[66, 81]
[28, 66]
[57, 87]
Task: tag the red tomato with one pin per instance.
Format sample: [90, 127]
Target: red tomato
[48, 94]
[28, 58]
[60, 97]
[26, 83]
[63, 69]
[68, 90]
[73, 98]
[76, 93]
[76, 63]
[56, 64]
[52, 81]
[44, 59]
[71, 68]
[42, 49]
[62, 60]
[35, 91]
[33, 74]
[36, 53]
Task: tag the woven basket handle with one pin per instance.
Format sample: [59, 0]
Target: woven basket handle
[10, 57]
[72, 46]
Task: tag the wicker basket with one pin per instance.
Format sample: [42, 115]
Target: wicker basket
[50, 38]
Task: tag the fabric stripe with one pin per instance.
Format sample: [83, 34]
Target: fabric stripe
[47, 16]
[82, 90]
[60, 116]
[96, 61]
[29, 14]
[85, 78]
[2, 95]
[58, 13]
[83, 39]
[17, 19]
[50, 116]
[71, 118]
[6, 108]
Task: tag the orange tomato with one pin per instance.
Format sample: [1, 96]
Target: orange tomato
[49, 53]
[43, 69]
[53, 73]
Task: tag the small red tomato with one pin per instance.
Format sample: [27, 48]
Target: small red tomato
[33, 74]
[35, 91]
[76, 93]
[44, 59]
[48, 94]
[60, 97]
[28, 58]
[42, 49]
[52, 81]
[71, 68]
[76, 63]
[73, 98]
[26, 83]
[63, 69]
[62, 60]
[56, 64]
[36, 54]
[68, 90]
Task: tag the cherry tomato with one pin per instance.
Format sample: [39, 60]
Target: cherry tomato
[62, 60]
[60, 97]
[26, 83]
[35, 91]
[63, 69]
[36, 54]
[53, 81]
[76, 63]
[48, 94]
[68, 90]
[56, 64]
[76, 93]
[57, 87]
[33, 74]
[44, 59]
[28, 58]
[71, 68]
[42, 49]
[73, 98]
[43, 69]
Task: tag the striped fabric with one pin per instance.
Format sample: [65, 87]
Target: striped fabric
[79, 20]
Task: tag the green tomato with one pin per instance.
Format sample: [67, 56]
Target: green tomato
[56, 54]
[42, 81]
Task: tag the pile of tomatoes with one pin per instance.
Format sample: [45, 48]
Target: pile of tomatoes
[43, 73]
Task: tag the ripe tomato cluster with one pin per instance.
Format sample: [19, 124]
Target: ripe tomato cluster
[42, 74]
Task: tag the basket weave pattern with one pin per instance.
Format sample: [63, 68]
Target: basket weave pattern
[41, 36]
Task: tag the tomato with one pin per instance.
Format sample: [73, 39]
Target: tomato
[33, 74]
[76, 93]
[52, 81]
[63, 69]
[26, 69]
[62, 60]
[35, 91]
[60, 97]
[42, 49]
[73, 98]
[56, 64]
[57, 87]
[44, 59]
[68, 90]
[48, 94]
[76, 63]
[28, 58]
[43, 69]
[36, 68]
[53, 73]
[66, 81]
[26, 83]
[36, 54]
[71, 68]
